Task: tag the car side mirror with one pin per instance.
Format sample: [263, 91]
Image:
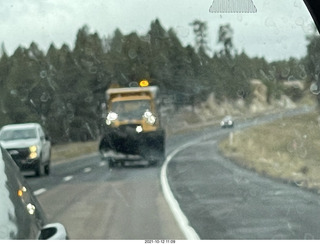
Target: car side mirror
[54, 231]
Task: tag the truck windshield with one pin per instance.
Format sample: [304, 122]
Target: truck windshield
[8, 135]
[133, 109]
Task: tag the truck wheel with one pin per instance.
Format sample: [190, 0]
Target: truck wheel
[153, 162]
[111, 162]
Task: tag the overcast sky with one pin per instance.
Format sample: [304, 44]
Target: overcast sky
[276, 31]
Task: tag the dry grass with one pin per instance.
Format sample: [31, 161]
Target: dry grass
[287, 149]
[74, 149]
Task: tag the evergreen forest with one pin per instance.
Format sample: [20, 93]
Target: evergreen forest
[64, 89]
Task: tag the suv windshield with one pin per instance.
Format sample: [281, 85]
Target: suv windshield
[18, 134]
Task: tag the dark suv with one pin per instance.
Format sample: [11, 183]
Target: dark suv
[21, 214]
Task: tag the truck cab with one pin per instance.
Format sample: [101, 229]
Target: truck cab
[132, 126]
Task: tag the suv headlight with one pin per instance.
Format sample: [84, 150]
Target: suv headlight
[33, 151]
[112, 116]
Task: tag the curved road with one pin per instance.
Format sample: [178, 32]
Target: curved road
[220, 199]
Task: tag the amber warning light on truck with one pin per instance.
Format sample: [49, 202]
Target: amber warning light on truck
[144, 83]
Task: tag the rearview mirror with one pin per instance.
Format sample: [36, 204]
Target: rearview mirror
[54, 231]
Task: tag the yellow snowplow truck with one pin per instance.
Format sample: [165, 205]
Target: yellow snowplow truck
[132, 129]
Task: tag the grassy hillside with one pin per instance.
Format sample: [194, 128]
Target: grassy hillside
[70, 150]
[287, 149]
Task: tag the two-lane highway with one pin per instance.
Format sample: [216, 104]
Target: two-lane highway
[220, 199]
[95, 202]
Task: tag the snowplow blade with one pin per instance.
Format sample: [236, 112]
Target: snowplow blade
[148, 145]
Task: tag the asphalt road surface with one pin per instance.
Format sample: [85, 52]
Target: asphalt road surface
[219, 199]
[224, 201]
[94, 202]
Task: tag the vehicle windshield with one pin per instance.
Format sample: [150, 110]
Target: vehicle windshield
[17, 134]
[186, 172]
[133, 109]
[227, 118]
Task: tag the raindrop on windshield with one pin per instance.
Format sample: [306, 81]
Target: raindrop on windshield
[70, 116]
[133, 84]
[285, 72]
[146, 38]
[299, 21]
[132, 54]
[88, 99]
[308, 29]
[302, 152]
[297, 4]
[308, 236]
[188, 60]
[239, 17]
[270, 23]
[291, 78]
[70, 107]
[301, 209]
[314, 88]
[43, 74]
[303, 73]
[3, 110]
[13, 92]
[93, 70]
[44, 97]
[51, 83]
[299, 183]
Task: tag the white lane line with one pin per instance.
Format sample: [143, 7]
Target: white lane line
[68, 178]
[87, 170]
[182, 220]
[102, 164]
[39, 191]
